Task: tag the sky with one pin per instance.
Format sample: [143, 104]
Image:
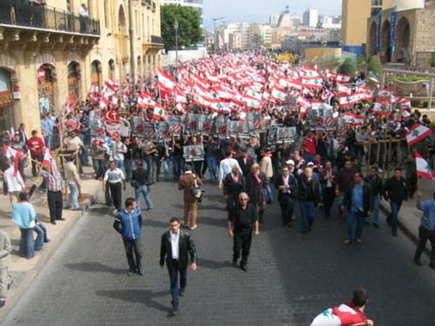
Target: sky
[259, 10]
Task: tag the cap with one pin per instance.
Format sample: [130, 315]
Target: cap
[310, 164]
[290, 162]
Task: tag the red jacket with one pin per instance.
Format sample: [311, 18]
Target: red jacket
[347, 318]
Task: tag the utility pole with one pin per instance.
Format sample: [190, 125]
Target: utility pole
[132, 59]
[176, 42]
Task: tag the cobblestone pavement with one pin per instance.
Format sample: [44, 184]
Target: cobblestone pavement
[291, 278]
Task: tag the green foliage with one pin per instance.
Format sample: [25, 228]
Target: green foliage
[432, 60]
[375, 65]
[348, 67]
[361, 63]
[189, 30]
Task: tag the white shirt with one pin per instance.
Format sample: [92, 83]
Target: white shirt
[175, 240]
[83, 12]
[225, 167]
[119, 149]
[15, 184]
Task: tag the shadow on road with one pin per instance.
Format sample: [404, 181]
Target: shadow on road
[211, 264]
[140, 296]
[95, 267]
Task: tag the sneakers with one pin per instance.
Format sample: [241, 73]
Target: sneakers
[194, 227]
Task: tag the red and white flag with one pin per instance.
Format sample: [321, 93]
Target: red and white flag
[165, 81]
[312, 82]
[159, 112]
[145, 100]
[340, 78]
[278, 94]
[423, 168]
[50, 161]
[385, 92]
[417, 133]
[353, 119]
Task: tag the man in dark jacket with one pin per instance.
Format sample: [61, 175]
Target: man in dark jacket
[309, 198]
[396, 191]
[128, 222]
[241, 221]
[255, 186]
[176, 247]
[245, 161]
[286, 185]
[375, 182]
[233, 186]
[358, 202]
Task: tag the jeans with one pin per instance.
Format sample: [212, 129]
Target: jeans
[375, 214]
[116, 194]
[168, 168]
[178, 165]
[173, 270]
[55, 205]
[47, 141]
[355, 225]
[145, 191]
[26, 243]
[212, 168]
[393, 218]
[73, 196]
[128, 165]
[134, 260]
[308, 214]
[242, 241]
[269, 193]
[120, 165]
[424, 235]
[41, 237]
[151, 168]
[98, 168]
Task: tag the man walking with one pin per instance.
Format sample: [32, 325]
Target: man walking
[233, 186]
[309, 198]
[255, 187]
[358, 201]
[128, 223]
[286, 185]
[113, 180]
[176, 248]
[73, 180]
[5, 277]
[142, 185]
[54, 183]
[241, 221]
[186, 183]
[396, 191]
[426, 230]
[375, 182]
[225, 167]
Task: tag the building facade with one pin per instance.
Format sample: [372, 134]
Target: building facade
[310, 17]
[51, 55]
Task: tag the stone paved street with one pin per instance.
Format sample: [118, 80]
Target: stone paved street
[291, 277]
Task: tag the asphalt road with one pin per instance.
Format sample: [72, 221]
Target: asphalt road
[291, 278]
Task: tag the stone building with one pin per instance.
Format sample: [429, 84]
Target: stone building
[51, 55]
[402, 31]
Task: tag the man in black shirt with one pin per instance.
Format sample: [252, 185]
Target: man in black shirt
[241, 221]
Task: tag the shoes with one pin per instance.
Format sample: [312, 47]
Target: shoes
[175, 312]
[61, 219]
[376, 225]
[181, 292]
[67, 207]
[193, 227]
[234, 262]
[243, 267]
[139, 272]
[418, 262]
[394, 234]
[77, 209]
[358, 241]
[2, 303]
[53, 222]
[46, 241]
[115, 211]
[130, 273]
[347, 242]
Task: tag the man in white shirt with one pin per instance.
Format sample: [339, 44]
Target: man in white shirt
[14, 181]
[225, 167]
[113, 180]
[84, 17]
[118, 150]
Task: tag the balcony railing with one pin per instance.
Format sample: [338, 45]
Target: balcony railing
[16, 13]
[157, 39]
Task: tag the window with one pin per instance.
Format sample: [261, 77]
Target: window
[376, 2]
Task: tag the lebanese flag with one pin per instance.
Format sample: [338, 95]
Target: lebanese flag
[343, 89]
[50, 161]
[266, 96]
[159, 112]
[346, 99]
[179, 96]
[302, 101]
[385, 92]
[278, 94]
[309, 72]
[404, 103]
[312, 82]
[145, 100]
[243, 114]
[417, 133]
[251, 102]
[180, 108]
[423, 168]
[340, 78]
[165, 81]
[254, 94]
[382, 107]
[353, 119]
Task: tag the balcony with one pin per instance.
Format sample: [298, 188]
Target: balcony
[157, 40]
[25, 16]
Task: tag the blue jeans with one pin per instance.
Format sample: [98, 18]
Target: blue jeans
[73, 196]
[120, 165]
[393, 218]
[308, 214]
[309, 157]
[269, 193]
[375, 214]
[26, 243]
[145, 191]
[212, 168]
[128, 164]
[355, 225]
[173, 270]
[168, 168]
[47, 141]
[178, 165]
[41, 237]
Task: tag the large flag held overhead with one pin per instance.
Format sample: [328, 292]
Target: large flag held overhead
[159, 112]
[165, 81]
[417, 133]
[353, 119]
[423, 168]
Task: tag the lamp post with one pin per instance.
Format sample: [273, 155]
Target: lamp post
[214, 30]
[176, 42]
[131, 35]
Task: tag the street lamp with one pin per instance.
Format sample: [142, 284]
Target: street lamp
[176, 42]
[214, 30]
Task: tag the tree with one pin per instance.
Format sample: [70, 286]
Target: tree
[189, 29]
[348, 67]
[256, 39]
[375, 65]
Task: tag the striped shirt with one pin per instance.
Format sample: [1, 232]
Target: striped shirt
[53, 181]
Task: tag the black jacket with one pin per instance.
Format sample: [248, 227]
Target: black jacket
[375, 184]
[186, 248]
[367, 200]
[396, 190]
[231, 188]
[246, 167]
[304, 189]
[293, 185]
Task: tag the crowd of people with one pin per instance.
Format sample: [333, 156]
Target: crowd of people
[334, 158]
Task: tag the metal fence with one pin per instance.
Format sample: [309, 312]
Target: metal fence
[45, 17]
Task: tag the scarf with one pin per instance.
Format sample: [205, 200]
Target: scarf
[257, 178]
[235, 178]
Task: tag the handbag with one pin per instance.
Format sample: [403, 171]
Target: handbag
[196, 190]
[134, 183]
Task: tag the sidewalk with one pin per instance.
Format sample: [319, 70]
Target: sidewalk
[24, 271]
[409, 215]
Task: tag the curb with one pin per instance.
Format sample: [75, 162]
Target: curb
[15, 295]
